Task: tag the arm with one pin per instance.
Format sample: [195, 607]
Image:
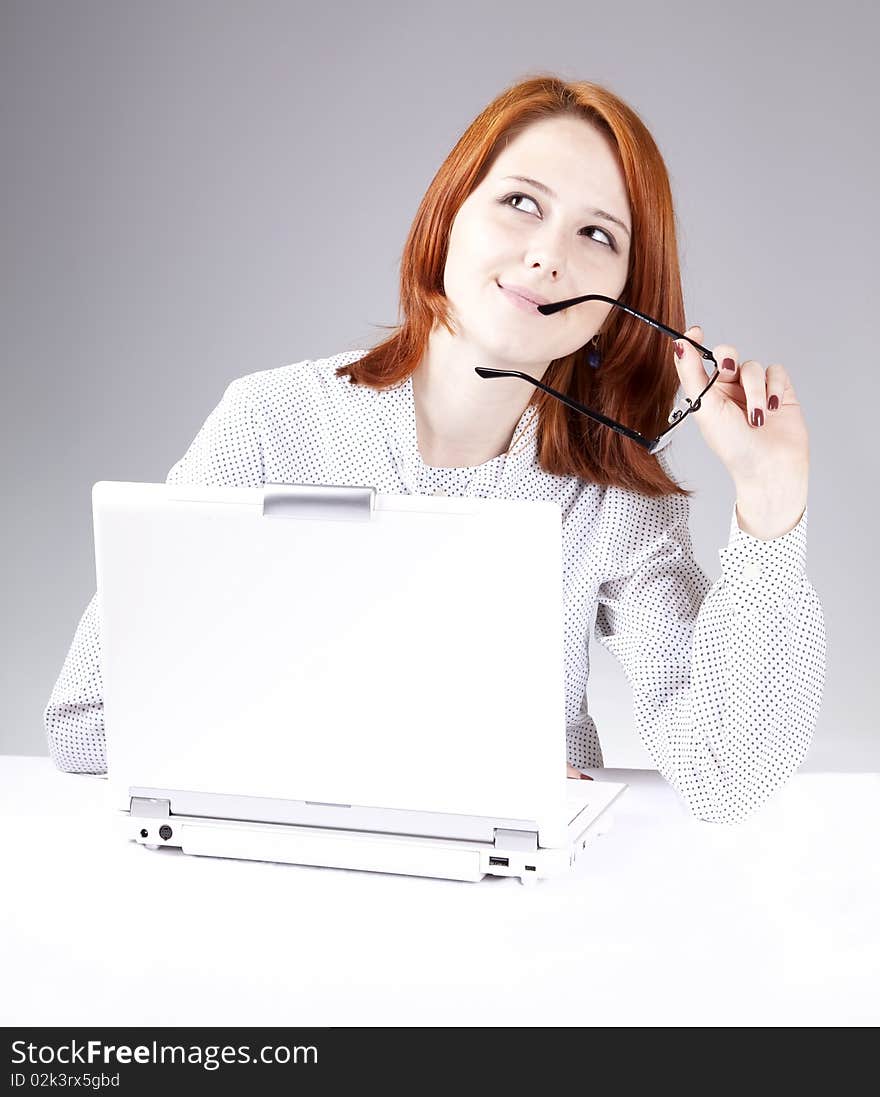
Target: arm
[226, 452]
[727, 680]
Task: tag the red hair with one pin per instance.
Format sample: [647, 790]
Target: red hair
[637, 382]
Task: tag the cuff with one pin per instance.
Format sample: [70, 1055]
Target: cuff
[755, 570]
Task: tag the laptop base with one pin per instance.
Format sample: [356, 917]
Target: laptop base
[440, 858]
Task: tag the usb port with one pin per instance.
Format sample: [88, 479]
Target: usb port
[499, 860]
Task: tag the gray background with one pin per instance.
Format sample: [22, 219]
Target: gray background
[194, 191]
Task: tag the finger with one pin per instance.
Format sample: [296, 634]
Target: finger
[754, 384]
[727, 358]
[777, 383]
[689, 364]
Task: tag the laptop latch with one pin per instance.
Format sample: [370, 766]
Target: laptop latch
[341, 504]
[516, 839]
[147, 808]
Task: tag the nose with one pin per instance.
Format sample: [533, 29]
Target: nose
[547, 252]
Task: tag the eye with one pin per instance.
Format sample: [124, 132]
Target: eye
[510, 197]
[591, 228]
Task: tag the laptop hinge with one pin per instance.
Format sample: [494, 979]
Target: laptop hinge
[516, 839]
[148, 808]
[341, 504]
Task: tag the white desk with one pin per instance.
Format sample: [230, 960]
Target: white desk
[670, 921]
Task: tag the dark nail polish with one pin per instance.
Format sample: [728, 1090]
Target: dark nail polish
[773, 403]
[757, 418]
[728, 363]
[679, 350]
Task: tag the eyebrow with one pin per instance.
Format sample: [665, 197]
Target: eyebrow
[546, 190]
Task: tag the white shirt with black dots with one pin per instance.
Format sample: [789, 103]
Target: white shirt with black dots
[727, 678]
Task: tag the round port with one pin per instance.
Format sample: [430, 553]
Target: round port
[165, 832]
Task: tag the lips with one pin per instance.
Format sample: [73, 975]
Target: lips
[523, 304]
[524, 292]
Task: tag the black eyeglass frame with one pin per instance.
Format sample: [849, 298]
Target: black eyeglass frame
[678, 414]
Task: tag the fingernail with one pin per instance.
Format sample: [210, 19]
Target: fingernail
[728, 363]
[757, 418]
[679, 350]
[773, 403]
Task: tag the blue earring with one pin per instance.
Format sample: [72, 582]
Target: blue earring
[594, 358]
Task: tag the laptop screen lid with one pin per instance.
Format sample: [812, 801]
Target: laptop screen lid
[333, 644]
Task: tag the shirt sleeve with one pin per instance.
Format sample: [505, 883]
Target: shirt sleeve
[727, 679]
[226, 452]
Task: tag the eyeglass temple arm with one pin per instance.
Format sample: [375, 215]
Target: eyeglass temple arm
[484, 371]
[558, 306]
[650, 444]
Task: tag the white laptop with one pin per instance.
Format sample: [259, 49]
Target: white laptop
[325, 675]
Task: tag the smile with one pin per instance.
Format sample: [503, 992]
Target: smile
[519, 302]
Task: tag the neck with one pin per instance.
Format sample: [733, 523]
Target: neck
[463, 419]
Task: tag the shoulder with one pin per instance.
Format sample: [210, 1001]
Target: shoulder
[310, 384]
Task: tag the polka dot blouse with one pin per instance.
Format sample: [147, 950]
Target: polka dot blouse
[727, 678]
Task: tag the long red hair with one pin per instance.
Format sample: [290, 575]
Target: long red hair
[637, 382]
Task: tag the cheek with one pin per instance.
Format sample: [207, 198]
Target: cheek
[476, 240]
[473, 262]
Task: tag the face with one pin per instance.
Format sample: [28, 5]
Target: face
[510, 233]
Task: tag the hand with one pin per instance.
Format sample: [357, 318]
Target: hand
[769, 463]
[572, 772]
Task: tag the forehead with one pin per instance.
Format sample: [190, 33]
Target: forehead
[573, 158]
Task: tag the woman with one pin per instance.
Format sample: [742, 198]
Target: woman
[558, 191]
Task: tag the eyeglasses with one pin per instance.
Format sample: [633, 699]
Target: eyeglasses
[678, 414]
